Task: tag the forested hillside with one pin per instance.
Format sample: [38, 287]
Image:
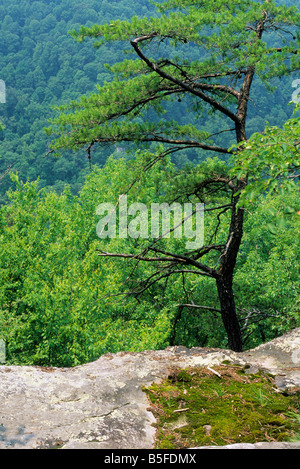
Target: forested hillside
[61, 303]
[43, 66]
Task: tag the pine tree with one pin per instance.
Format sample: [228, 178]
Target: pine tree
[206, 53]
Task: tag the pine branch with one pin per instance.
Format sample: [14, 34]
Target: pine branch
[205, 86]
[187, 143]
[182, 84]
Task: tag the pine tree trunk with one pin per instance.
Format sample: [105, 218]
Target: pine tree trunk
[224, 279]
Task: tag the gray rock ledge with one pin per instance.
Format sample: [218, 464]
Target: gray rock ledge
[101, 405]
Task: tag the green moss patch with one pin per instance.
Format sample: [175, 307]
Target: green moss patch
[195, 407]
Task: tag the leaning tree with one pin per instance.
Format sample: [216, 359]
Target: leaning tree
[207, 54]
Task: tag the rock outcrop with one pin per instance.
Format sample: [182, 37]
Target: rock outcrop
[102, 405]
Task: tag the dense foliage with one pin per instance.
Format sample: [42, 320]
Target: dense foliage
[43, 66]
[61, 303]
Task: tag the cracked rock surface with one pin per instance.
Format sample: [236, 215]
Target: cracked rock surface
[102, 405]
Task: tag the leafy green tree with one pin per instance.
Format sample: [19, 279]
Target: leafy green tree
[267, 271]
[57, 296]
[206, 54]
[271, 161]
[61, 304]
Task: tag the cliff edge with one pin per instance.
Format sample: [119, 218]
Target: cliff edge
[102, 405]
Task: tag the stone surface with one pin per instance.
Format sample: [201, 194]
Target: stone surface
[102, 405]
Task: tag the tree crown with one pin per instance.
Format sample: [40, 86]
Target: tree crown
[227, 44]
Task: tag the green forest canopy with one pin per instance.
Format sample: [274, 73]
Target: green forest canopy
[43, 66]
[61, 304]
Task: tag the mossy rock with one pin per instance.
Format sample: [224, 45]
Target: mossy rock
[236, 408]
[184, 377]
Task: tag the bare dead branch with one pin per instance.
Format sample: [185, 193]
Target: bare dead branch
[209, 308]
[187, 260]
[133, 256]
